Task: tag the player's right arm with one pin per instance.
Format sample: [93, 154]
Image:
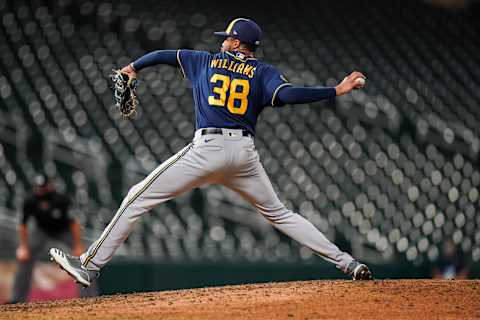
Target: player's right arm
[293, 95]
[278, 91]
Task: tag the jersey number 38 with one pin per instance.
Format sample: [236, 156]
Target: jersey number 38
[237, 91]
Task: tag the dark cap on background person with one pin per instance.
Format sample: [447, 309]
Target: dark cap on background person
[42, 185]
[40, 180]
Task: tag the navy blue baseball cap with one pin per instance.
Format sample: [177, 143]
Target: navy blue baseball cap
[243, 29]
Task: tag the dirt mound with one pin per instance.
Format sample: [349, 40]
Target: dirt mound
[388, 299]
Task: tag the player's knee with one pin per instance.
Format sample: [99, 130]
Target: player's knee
[134, 190]
[131, 195]
[276, 215]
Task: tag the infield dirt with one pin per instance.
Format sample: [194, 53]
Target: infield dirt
[382, 299]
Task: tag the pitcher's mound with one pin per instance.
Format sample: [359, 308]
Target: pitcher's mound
[388, 299]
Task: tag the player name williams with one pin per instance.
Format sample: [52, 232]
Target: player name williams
[242, 68]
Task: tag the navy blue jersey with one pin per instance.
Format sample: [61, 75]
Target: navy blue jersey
[229, 89]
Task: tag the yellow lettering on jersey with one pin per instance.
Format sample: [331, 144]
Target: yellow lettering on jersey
[240, 68]
[238, 90]
[220, 90]
[238, 95]
[250, 74]
[230, 67]
[247, 70]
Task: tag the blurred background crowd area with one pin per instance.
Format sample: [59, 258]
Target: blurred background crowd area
[389, 173]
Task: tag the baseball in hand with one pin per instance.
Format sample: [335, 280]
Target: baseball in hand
[360, 81]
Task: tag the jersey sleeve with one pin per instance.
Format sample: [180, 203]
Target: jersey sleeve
[272, 82]
[66, 207]
[26, 212]
[191, 62]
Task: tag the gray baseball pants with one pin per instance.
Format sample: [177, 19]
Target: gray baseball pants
[229, 159]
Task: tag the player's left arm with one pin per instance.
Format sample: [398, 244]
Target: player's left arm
[189, 61]
[77, 247]
[74, 226]
[153, 58]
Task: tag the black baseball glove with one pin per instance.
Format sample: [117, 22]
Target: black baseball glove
[124, 91]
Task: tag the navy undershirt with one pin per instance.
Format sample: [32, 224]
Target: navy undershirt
[295, 95]
[156, 57]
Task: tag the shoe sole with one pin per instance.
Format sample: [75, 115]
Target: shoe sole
[363, 273]
[65, 266]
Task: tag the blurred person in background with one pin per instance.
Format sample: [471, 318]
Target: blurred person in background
[451, 263]
[50, 211]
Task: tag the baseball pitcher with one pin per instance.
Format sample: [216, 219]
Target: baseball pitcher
[230, 90]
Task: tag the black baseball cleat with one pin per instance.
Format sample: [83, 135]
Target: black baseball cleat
[73, 266]
[14, 302]
[359, 271]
